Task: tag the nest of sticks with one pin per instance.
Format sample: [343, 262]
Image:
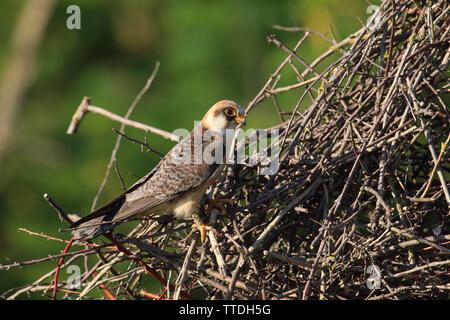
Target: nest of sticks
[360, 204]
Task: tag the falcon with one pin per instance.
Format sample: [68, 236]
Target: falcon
[178, 182]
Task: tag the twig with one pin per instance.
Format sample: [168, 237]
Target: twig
[139, 142]
[184, 269]
[55, 280]
[420, 268]
[85, 107]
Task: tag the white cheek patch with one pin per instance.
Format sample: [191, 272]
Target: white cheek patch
[218, 123]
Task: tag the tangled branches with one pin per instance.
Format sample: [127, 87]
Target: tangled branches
[360, 204]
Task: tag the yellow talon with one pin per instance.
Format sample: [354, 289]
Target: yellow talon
[202, 228]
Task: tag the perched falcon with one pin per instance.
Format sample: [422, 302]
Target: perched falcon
[176, 185]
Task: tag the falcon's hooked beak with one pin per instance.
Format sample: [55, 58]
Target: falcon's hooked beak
[240, 119]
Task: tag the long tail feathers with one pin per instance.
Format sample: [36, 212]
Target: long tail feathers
[98, 221]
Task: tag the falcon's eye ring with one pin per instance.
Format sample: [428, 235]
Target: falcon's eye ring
[230, 112]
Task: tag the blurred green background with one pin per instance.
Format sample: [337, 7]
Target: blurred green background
[208, 50]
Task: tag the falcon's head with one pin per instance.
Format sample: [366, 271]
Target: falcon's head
[223, 115]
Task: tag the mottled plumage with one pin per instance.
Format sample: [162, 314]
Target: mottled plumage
[177, 184]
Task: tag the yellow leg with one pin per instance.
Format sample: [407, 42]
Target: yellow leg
[215, 203]
[202, 228]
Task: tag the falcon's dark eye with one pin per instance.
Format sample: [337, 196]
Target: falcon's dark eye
[230, 112]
